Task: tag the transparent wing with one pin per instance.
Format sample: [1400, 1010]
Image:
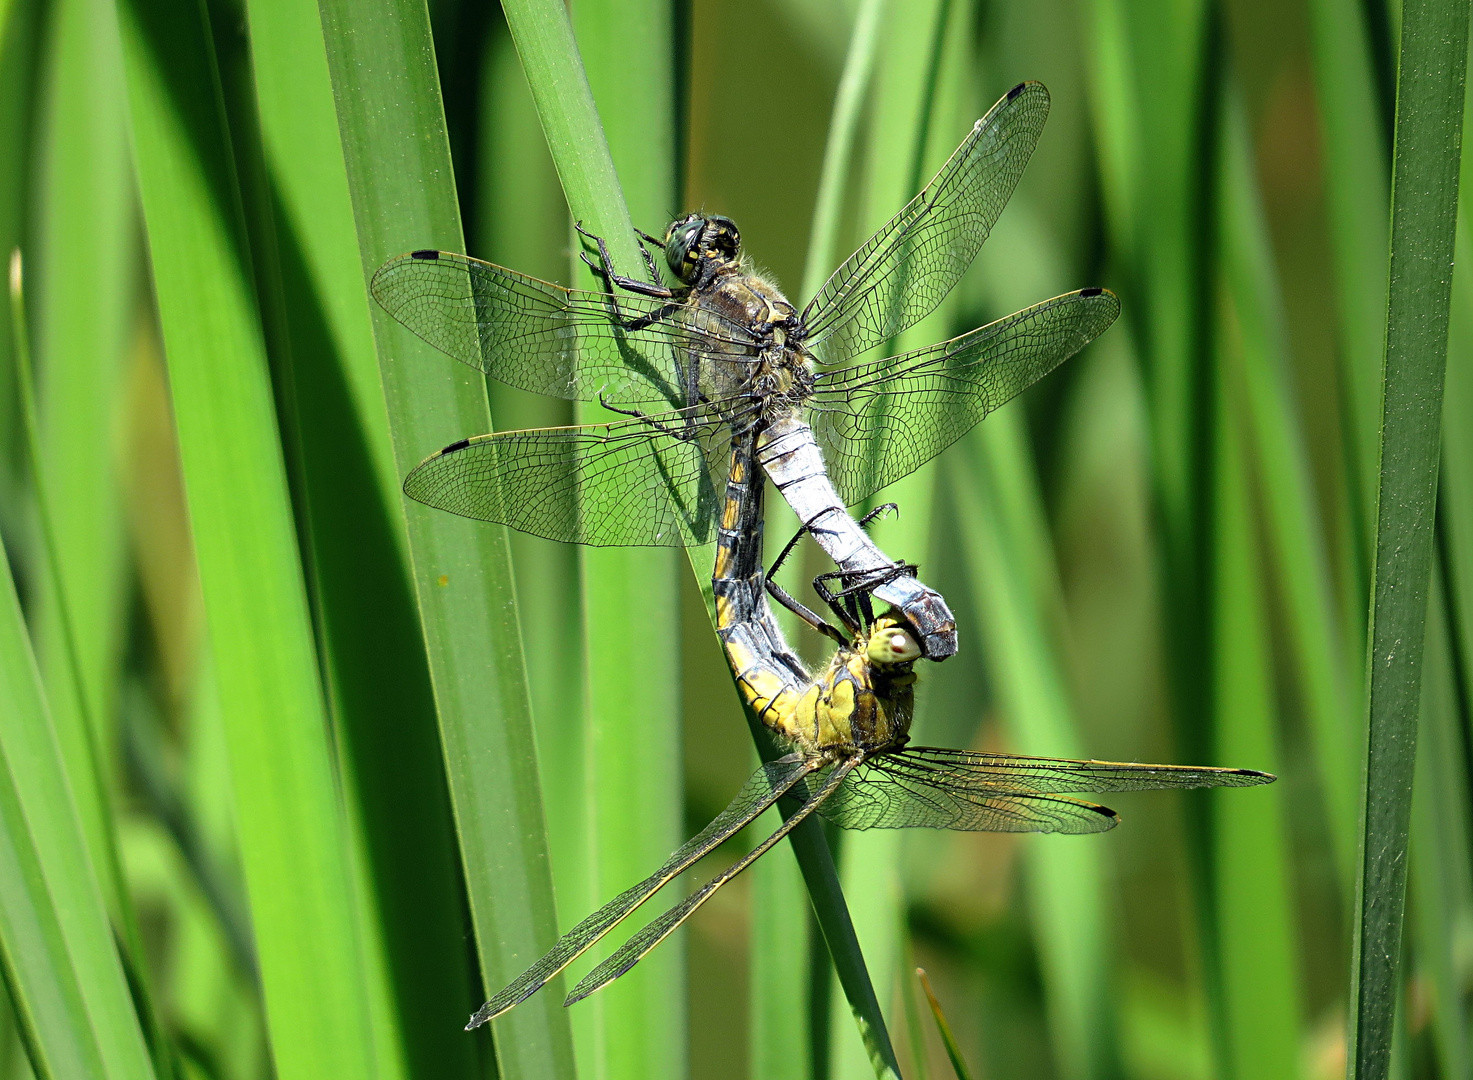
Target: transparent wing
[1012, 773]
[761, 790]
[640, 945]
[647, 482]
[563, 343]
[900, 274]
[878, 422]
[876, 798]
[937, 788]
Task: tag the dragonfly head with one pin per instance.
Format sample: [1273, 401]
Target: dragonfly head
[695, 239]
[891, 643]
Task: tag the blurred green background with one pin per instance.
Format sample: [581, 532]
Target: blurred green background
[1161, 553]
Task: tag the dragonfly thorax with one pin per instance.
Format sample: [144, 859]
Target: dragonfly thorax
[864, 700]
[769, 364]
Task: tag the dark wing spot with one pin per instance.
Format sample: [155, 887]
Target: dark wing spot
[424, 254]
[1090, 292]
[461, 445]
[1015, 91]
[1253, 775]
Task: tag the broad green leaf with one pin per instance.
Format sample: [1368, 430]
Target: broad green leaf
[391, 123]
[56, 944]
[342, 460]
[294, 840]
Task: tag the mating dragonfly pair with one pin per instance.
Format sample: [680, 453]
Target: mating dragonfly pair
[719, 380]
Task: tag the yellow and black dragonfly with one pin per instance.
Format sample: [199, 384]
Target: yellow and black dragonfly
[722, 351]
[851, 763]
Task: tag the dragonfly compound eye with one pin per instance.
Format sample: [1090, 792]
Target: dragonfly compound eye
[681, 253]
[890, 644]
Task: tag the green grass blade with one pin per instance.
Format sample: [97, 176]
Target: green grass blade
[1455, 479]
[958, 1063]
[85, 205]
[631, 614]
[381, 695]
[1015, 578]
[1356, 194]
[215, 999]
[1254, 934]
[1429, 121]
[1149, 72]
[19, 48]
[999, 510]
[399, 175]
[570, 122]
[1442, 876]
[56, 944]
[779, 1037]
[1321, 656]
[523, 223]
[294, 843]
[1150, 62]
[821, 877]
[1254, 938]
[838, 152]
[75, 727]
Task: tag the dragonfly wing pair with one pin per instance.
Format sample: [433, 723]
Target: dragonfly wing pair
[655, 480]
[916, 787]
[880, 421]
[640, 944]
[606, 485]
[683, 369]
[935, 788]
[563, 343]
[768, 784]
[899, 275]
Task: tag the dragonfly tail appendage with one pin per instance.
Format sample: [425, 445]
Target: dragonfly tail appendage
[762, 789]
[642, 943]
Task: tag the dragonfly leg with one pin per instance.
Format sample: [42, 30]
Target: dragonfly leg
[840, 603]
[654, 316]
[787, 550]
[867, 581]
[684, 433]
[879, 511]
[807, 527]
[605, 268]
[786, 599]
[850, 602]
[649, 261]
